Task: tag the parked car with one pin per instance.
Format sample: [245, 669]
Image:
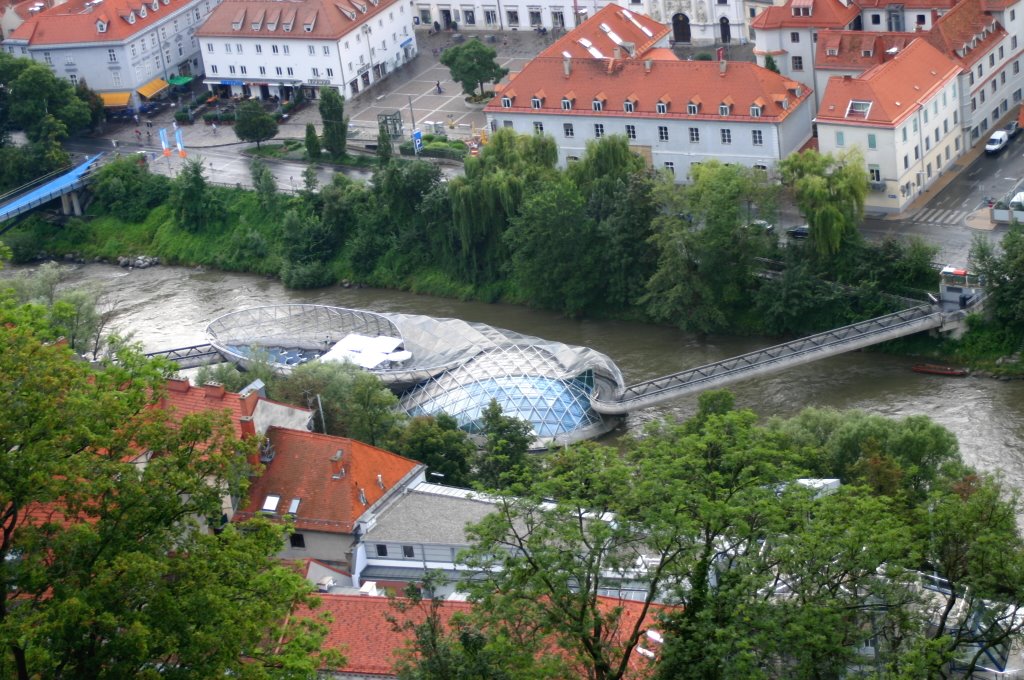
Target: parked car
[997, 142]
[803, 231]
[762, 226]
[1012, 128]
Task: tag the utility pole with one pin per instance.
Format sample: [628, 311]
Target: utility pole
[411, 113]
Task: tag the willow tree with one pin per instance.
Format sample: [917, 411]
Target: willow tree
[830, 192]
[488, 196]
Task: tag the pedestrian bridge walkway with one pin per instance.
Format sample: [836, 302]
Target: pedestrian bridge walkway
[44, 190]
[777, 358]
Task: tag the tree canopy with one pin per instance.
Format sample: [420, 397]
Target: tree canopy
[253, 124]
[830, 192]
[472, 64]
[332, 113]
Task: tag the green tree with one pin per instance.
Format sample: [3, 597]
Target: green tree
[472, 64]
[769, 63]
[349, 401]
[384, 150]
[265, 185]
[335, 123]
[107, 566]
[93, 100]
[504, 458]
[830, 192]
[35, 93]
[309, 246]
[190, 196]
[438, 443]
[313, 148]
[1003, 270]
[253, 124]
[126, 188]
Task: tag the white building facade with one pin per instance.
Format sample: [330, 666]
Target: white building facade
[903, 116]
[125, 50]
[264, 49]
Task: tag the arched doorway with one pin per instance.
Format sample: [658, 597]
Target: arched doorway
[726, 33]
[681, 28]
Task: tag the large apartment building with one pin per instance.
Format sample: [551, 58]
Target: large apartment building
[615, 75]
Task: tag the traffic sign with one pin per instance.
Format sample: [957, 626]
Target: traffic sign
[417, 140]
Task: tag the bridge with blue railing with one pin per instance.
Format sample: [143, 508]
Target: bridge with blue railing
[62, 184]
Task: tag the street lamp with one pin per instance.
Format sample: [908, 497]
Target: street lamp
[368, 31]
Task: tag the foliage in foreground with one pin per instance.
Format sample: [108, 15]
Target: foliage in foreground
[106, 566]
[745, 572]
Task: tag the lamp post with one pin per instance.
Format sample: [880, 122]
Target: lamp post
[367, 31]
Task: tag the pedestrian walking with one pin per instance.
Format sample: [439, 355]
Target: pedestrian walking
[214, 126]
[149, 136]
[138, 134]
[175, 125]
[136, 116]
[438, 86]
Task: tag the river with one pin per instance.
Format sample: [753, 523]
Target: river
[166, 307]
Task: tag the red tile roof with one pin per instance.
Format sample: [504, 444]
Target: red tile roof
[75, 21]
[850, 48]
[184, 399]
[959, 27]
[333, 491]
[674, 82]
[824, 14]
[361, 632]
[925, 5]
[327, 19]
[637, 34]
[894, 88]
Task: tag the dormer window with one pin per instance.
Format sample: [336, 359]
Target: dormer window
[156, 5]
[692, 108]
[755, 111]
[597, 104]
[832, 52]
[566, 104]
[661, 107]
[166, 2]
[101, 26]
[142, 11]
[506, 102]
[131, 17]
[724, 109]
[801, 11]
[866, 53]
[535, 103]
[858, 109]
[627, 106]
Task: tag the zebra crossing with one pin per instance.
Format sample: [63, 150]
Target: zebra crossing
[938, 216]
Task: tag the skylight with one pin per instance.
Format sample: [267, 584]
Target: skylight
[270, 504]
[293, 507]
[858, 109]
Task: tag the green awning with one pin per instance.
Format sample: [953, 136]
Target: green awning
[180, 80]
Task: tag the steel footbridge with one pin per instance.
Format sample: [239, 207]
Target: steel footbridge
[62, 184]
[777, 358]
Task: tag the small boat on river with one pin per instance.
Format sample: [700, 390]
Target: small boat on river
[935, 369]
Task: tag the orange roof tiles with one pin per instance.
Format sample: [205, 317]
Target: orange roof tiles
[324, 19]
[370, 643]
[958, 28]
[183, 398]
[676, 82]
[823, 14]
[75, 21]
[333, 490]
[857, 50]
[596, 37]
[894, 88]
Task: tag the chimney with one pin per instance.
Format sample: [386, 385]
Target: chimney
[249, 402]
[722, 67]
[214, 390]
[368, 589]
[178, 385]
[648, 65]
[247, 426]
[567, 66]
[847, 77]
[616, 53]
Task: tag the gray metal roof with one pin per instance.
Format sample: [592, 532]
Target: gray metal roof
[426, 517]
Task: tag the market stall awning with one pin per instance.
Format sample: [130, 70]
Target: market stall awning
[153, 87]
[115, 99]
[179, 80]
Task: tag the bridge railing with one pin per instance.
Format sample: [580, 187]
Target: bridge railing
[779, 353]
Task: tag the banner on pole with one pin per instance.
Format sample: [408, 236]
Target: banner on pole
[163, 141]
[179, 142]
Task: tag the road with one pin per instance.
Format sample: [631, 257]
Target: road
[941, 222]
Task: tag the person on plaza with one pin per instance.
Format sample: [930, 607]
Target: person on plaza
[214, 125]
[438, 86]
[138, 134]
[136, 116]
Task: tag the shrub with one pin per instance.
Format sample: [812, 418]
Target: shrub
[183, 116]
[306, 275]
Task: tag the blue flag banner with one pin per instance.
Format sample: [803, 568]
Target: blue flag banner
[163, 142]
[178, 141]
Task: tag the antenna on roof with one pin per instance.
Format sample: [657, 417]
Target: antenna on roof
[380, 480]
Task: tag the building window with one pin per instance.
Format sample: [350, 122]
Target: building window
[794, 37]
[872, 141]
[227, 48]
[259, 49]
[661, 107]
[917, 153]
[1013, 43]
[726, 136]
[906, 162]
[490, 17]
[662, 133]
[513, 17]
[263, 70]
[723, 109]
[840, 139]
[598, 130]
[278, 70]
[671, 167]
[382, 550]
[694, 135]
[74, 79]
[213, 69]
[112, 56]
[291, 71]
[407, 552]
[284, 49]
[315, 71]
[920, 20]
[627, 107]
[274, 49]
[231, 69]
[535, 103]
[797, 63]
[875, 172]
[992, 59]
[297, 541]
[692, 109]
[311, 49]
[47, 58]
[876, 19]
[538, 128]
[566, 104]
[755, 111]
[631, 132]
[597, 105]
[327, 50]
[330, 73]
[757, 137]
[567, 129]
[506, 102]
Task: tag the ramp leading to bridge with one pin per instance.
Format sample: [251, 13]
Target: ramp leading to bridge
[773, 359]
[33, 197]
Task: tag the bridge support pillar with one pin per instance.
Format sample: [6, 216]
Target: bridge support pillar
[65, 204]
[76, 204]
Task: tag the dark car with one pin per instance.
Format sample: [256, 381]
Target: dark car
[1012, 128]
[803, 231]
[762, 227]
